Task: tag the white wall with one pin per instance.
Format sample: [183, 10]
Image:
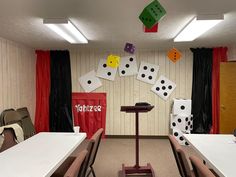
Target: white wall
[128, 90]
[17, 76]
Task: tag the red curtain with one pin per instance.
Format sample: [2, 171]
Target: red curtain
[219, 55]
[42, 91]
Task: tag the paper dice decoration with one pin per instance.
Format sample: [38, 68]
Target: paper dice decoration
[181, 122]
[130, 48]
[182, 106]
[90, 82]
[163, 87]
[106, 72]
[128, 66]
[178, 134]
[174, 55]
[153, 29]
[113, 61]
[147, 72]
[152, 13]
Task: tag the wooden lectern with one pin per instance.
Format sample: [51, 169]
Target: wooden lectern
[136, 168]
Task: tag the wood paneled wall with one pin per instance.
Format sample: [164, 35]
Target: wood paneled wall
[128, 90]
[17, 76]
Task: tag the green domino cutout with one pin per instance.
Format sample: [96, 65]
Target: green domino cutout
[152, 13]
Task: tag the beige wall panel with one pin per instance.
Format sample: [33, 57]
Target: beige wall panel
[17, 76]
[128, 90]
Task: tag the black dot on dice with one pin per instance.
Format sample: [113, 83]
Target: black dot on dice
[189, 123]
[104, 65]
[150, 77]
[163, 87]
[181, 138]
[157, 89]
[162, 81]
[179, 120]
[109, 73]
[186, 119]
[182, 107]
[123, 71]
[191, 118]
[173, 124]
[165, 94]
[191, 126]
[131, 59]
[176, 134]
[186, 128]
[89, 82]
[186, 143]
[152, 69]
[143, 75]
[110, 61]
[150, 19]
[169, 87]
[145, 67]
[127, 65]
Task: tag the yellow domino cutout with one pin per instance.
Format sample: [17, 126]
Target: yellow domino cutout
[113, 61]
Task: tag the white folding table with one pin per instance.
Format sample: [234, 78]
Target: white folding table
[40, 155]
[219, 151]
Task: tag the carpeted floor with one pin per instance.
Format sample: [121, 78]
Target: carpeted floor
[113, 152]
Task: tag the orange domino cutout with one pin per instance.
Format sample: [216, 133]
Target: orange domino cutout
[174, 55]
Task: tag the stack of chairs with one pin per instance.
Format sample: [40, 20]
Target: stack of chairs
[20, 116]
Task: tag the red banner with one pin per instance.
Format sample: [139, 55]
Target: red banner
[89, 110]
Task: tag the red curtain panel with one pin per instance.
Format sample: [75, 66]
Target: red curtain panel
[42, 91]
[219, 55]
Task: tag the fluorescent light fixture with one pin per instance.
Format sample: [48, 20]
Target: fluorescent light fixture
[197, 26]
[65, 29]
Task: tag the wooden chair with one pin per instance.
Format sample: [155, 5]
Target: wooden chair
[97, 139]
[72, 166]
[9, 139]
[200, 170]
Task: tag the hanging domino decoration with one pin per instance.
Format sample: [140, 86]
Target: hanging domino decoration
[113, 61]
[174, 54]
[153, 29]
[129, 48]
[152, 13]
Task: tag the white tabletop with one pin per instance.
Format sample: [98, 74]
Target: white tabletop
[40, 155]
[219, 151]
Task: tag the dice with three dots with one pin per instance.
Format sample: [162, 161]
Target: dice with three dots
[152, 13]
[174, 55]
[113, 61]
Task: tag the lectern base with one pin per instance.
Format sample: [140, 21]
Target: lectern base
[138, 170]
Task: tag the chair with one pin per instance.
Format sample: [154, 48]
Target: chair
[72, 166]
[180, 157]
[27, 124]
[200, 170]
[3, 114]
[11, 117]
[97, 139]
[174, 146]
[9, 139]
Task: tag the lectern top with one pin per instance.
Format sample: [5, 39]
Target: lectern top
[136, 108]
